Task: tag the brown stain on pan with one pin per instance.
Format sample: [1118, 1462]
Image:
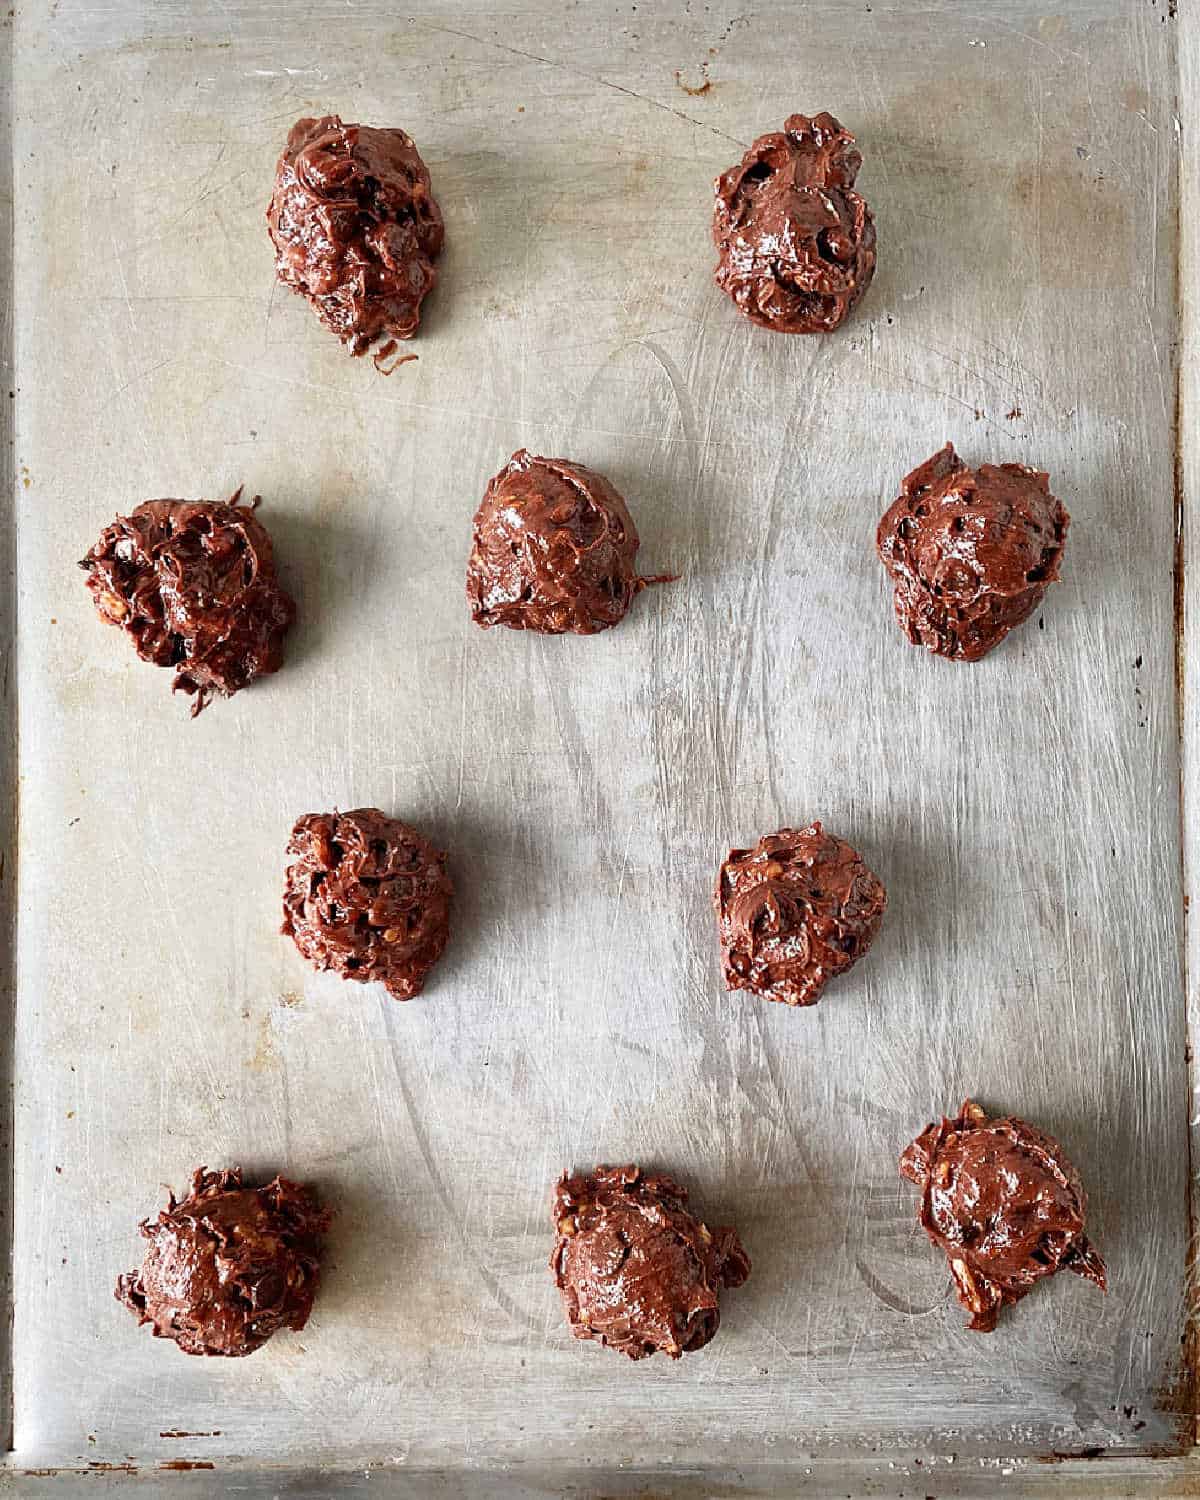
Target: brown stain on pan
[696, 91]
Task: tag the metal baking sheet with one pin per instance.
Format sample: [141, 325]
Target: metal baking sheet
[1022, 162]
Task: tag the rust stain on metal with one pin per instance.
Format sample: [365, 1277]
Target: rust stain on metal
[701, 88]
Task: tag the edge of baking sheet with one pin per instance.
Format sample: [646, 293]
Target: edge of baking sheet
[1097, 1479]
[8, 730]
[886, 1479]
[1187, 584]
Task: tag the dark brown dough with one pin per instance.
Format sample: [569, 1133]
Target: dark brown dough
[192, 583]
[368, 897]
[228, 1266]
[1002, 1200]
[796, 244]
[356, 228]
[795, 911]
[971, 552]
[636, 1271]
[553, 550]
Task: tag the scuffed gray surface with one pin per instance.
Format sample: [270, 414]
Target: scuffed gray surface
[1023, 812]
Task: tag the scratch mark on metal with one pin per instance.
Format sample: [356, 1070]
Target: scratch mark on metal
[421, 1135]
[889, 1298]
[566, 67]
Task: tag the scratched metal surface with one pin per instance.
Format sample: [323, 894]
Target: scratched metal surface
[1023, 812]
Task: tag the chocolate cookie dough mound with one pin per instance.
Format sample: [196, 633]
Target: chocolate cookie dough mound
[228, 1266]
[355, 228]
[192, 583]
[553, 550]
[796, 244]
[970, 552]
[636, 1271]
[1004, 1203]
[795, 911]
[368, 897]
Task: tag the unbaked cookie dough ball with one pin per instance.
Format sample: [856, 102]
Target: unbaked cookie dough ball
[796, 243]
[193, 586]
[356, 229]
[553, 550]
[228, 1266]
[368, 897]
[795, 911]
[636, 1270]
[971, 552]
[1001, 1199]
